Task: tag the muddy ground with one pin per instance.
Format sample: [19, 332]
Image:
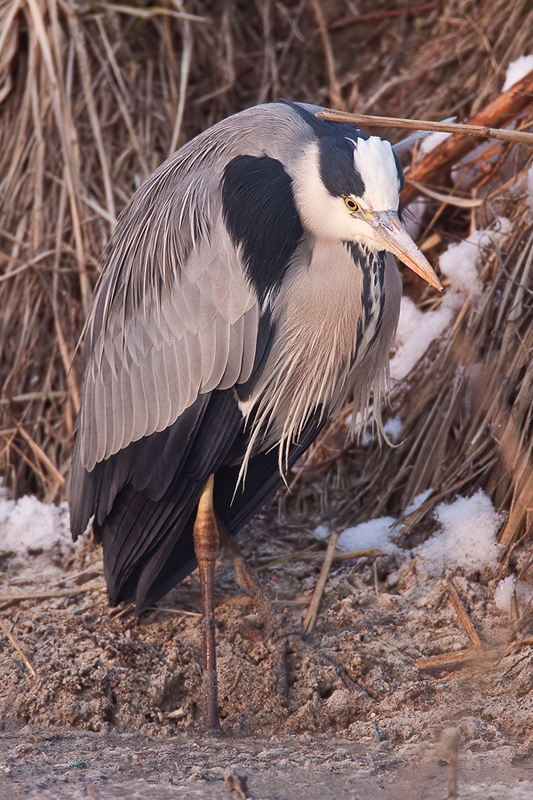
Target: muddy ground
[361, 707]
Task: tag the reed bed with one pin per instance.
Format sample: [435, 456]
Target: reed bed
[93, 96]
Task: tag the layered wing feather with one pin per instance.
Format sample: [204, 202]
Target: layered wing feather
[197, 336]
[143, 372]
[174, 314]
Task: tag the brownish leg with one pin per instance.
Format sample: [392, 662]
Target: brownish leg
[206, 546]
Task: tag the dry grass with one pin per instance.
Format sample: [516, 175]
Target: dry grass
[94, 96]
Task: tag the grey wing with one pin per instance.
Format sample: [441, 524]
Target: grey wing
[173, 315]
[172, 319]
[142, 372]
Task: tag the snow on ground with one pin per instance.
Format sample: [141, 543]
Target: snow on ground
[28, 525]
[375, 533]
[460, 263]
[393, 427]
[467, 539]
[509, 588]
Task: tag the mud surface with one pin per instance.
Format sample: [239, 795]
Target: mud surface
[348, 711]
[51, 766]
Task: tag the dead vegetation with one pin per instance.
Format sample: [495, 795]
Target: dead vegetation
[93, 96]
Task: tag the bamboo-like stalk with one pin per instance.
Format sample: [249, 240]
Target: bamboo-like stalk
[482, 131]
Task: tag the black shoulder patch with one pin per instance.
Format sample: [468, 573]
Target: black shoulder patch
[261, 216]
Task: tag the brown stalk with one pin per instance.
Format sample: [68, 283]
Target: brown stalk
[83, 61]
[312, 612]
[185, 68]
[18, 648]
[450, 659]
[482, 131]
[463, 616]
[334, 85]
[7, 600]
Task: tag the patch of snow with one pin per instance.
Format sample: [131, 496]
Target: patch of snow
[504, 593]
[467, 540]
[27, 524]
[415, 333]
[505, 590]
[374, 533]
[393, 427]
[516, 70]
[322, 532]
[468, 537]
[460, 263]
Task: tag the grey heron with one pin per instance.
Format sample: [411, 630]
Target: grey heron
[246, 294]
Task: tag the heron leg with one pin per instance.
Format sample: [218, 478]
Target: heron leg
[206, 546]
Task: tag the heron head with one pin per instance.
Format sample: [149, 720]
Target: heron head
[348, 189]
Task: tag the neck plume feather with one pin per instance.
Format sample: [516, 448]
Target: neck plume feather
[329, 344]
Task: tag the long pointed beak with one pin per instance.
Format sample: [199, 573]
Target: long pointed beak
[391, 233]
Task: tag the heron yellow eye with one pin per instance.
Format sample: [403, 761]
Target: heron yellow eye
[350, 204]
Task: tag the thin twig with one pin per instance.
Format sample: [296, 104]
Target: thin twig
[154, 11]
[29, 397]
[308, 555]
[12, 599]
[18, 648]
[379, 15]
[425, 125]
[41, 455]
[515, 646]
[310, 617]
[449, 199]
[463, 616]
[334, 85]
[185, 68]
[290, 557]
[450, 659]
[179, 612]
